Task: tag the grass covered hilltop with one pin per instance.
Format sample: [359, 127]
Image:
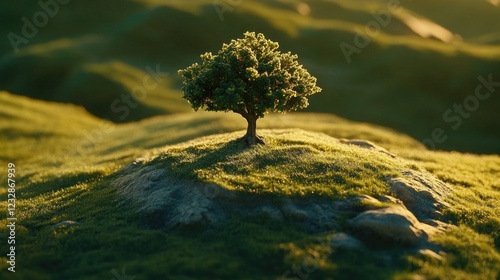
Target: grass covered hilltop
[393, 172]
[308, 204]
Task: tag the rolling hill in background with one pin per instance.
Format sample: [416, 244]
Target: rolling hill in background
[421, 59]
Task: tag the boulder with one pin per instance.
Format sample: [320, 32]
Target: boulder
[422, 193]
[393, 224]
[170, 202]
[269, 212]
[344, 241]
[175, 202]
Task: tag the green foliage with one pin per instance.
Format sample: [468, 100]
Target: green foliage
[249, 76]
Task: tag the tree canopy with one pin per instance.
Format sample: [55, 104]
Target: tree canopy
[251, 77]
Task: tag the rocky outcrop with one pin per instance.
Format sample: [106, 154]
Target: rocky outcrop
[422, 193]
[345, 241]
[393, 224]
[173, 202]
[406, 217]
[182, 203]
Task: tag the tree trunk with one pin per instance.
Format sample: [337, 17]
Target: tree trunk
[251, 138]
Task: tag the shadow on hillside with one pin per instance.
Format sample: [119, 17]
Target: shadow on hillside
[266, 231]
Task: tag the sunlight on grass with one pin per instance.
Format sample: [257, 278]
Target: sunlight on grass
[57, 183]
[294, 162]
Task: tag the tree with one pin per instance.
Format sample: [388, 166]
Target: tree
[251, 77]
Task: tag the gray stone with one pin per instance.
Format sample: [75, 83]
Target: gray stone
[421, 192]
[171, 202]
[366, 202]
[291, 211]
[182, 203]
[390, 199]
[269, 212]
[344, 241]
[392, 224]
[322, 215]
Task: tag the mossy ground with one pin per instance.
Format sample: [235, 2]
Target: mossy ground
[62, 175]
[293, 163]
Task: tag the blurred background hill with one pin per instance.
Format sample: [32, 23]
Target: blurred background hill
[420, 62]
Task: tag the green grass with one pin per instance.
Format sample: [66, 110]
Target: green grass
[476, 187]
[469, 255]
[293, 163]
[56, 182]
[91, 56]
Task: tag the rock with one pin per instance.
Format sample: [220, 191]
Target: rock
[366, 202]
[322, 215]
[390, 199]
[269, 212]
[344, 241]
[291, 211]
[180, 202]
[390, 225]
[170, 202]
[421, 192]
[366, 199]
[194, 210]
[367, 145]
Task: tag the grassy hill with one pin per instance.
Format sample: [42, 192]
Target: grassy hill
[422, 62]
[66, 160]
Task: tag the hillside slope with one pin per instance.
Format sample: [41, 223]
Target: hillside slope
[68, 176]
